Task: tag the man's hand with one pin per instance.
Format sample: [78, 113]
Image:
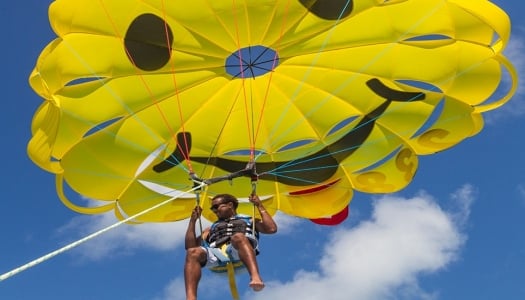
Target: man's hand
[255, 200]
[195, 215]
[191, 240]
[266, 224]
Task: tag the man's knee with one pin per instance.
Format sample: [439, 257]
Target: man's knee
[196, 254]
[239, 238]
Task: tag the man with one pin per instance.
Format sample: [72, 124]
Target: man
[239, 239]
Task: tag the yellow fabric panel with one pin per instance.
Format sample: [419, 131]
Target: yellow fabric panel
[325, 105]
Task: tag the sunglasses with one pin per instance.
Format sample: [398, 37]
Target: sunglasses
[216, 206]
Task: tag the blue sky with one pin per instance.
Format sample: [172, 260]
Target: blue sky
[456, 232]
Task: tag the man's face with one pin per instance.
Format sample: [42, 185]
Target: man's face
[221, 208]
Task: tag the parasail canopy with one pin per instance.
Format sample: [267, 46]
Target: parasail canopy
[325, 97]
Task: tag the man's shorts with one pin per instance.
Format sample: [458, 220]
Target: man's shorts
[216, 258]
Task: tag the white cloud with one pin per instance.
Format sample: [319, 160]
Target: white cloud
[462, 200]
[286, 224]
[174, 290]
[516, 105]
[514, 52]
[383, 257]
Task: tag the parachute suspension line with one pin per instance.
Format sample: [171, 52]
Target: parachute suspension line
[186, 151]
[247, 108]
[255, 129]
[212, 150]
[198, 202]
[306, 75]
[270, 77]
[299, 87]
[89, 237]
[154, 100]
[254, 178]
[242, 64]
[100, 78]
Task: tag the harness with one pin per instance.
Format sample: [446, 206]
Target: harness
[222, 231]
[220, 237]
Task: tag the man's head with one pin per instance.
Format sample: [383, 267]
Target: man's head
[224, 205]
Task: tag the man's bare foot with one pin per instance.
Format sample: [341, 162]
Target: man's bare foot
[257, 285]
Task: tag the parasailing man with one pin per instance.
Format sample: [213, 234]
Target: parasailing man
[235, 234]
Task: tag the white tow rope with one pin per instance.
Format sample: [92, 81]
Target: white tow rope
[87, 238]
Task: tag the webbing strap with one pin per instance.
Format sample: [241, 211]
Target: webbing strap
[220, 253]
[231, 279]
[231, 271]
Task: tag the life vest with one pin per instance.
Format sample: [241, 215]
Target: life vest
[222, 231]
[219, 238]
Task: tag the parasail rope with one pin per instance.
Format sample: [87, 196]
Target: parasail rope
[254, 178]
[198, 203]
[89, 237]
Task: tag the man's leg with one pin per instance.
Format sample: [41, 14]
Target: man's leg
[247, 255]
[195, 259]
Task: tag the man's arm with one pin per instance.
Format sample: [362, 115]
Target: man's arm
[266, 224]
[191, 240]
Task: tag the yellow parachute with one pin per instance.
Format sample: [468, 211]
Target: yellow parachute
[315, 99]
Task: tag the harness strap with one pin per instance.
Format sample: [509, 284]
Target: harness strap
[224, 259]
[220, 253]
[231, 280]
[227, 265]
[231, 273]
